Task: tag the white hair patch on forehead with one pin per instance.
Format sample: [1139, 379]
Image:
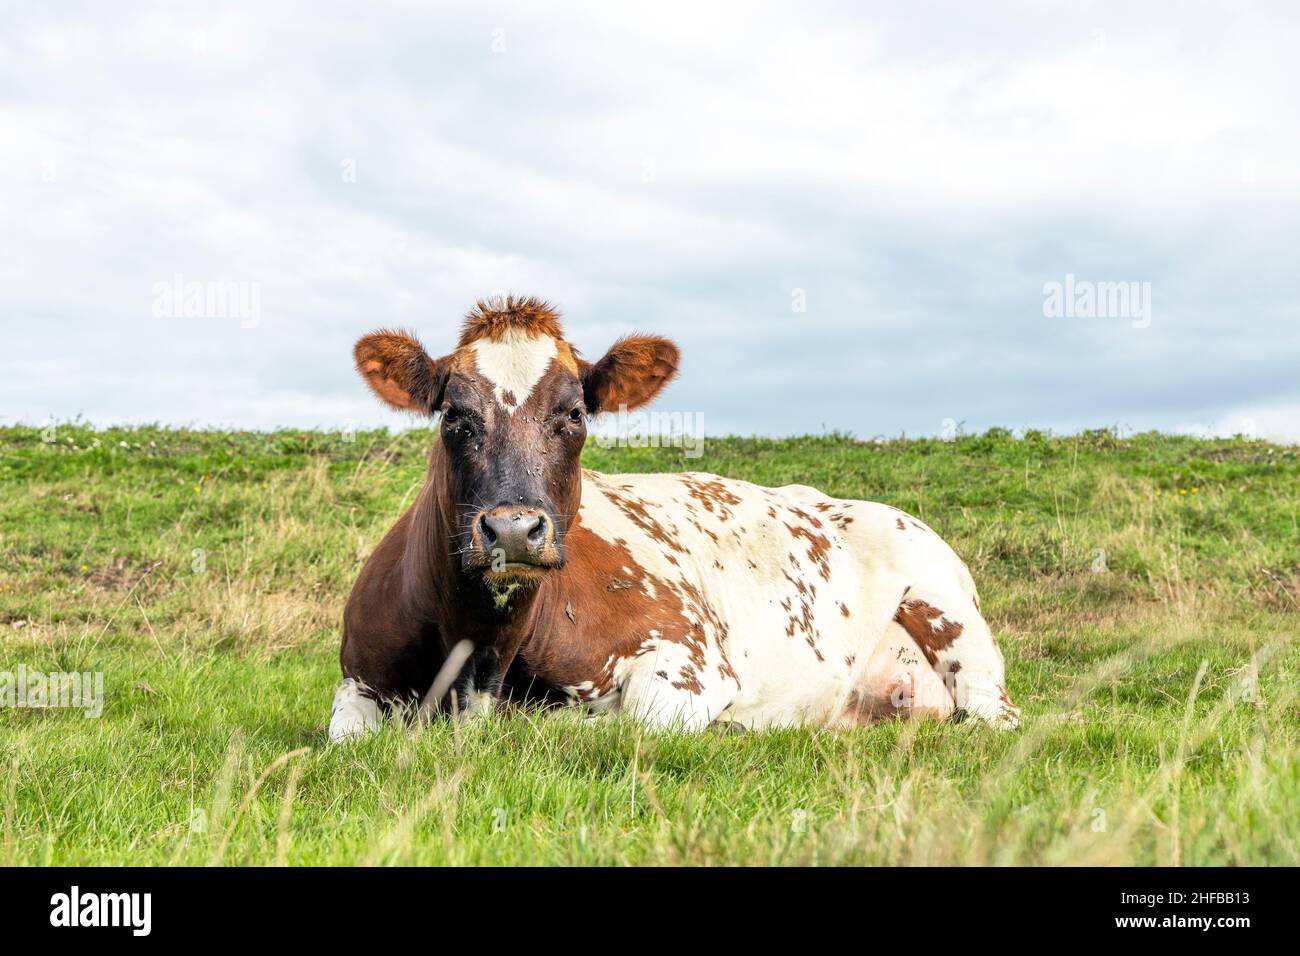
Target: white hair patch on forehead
[514, 365]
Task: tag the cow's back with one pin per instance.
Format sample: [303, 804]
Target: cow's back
[790, 590]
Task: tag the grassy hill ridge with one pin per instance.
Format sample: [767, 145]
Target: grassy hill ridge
[1145, 591]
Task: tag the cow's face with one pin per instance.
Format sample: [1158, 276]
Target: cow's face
[514, 399]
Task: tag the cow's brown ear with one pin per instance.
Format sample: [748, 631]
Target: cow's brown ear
[632, 373]
[399, 370]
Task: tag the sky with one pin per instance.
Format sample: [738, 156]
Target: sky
[850, 216]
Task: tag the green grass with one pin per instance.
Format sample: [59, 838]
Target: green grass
[1144, 590]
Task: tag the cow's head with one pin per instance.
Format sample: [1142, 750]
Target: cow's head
[514, 398]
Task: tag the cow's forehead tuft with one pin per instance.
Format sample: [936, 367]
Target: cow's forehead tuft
[506, 316]
[511, 342]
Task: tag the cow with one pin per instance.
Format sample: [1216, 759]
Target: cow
[682, 600]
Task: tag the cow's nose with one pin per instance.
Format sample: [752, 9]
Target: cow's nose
[514, 535]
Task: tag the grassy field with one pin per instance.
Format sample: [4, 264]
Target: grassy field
[1145, 592]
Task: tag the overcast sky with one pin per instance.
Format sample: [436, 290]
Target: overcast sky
[846, 217]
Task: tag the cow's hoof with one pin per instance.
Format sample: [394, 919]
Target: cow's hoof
[1008, 718]
[1007, 715]
[999, 715]
[354, 715]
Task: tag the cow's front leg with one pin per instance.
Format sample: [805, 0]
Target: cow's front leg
[383, 670]
[476, 689]
[354, 714]
[667, 690]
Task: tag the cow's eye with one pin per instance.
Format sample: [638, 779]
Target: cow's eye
[575, 416]
[453, 417]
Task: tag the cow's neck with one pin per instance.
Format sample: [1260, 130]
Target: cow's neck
[438, 590]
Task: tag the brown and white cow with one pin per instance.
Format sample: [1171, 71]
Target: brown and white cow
[681, 599]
